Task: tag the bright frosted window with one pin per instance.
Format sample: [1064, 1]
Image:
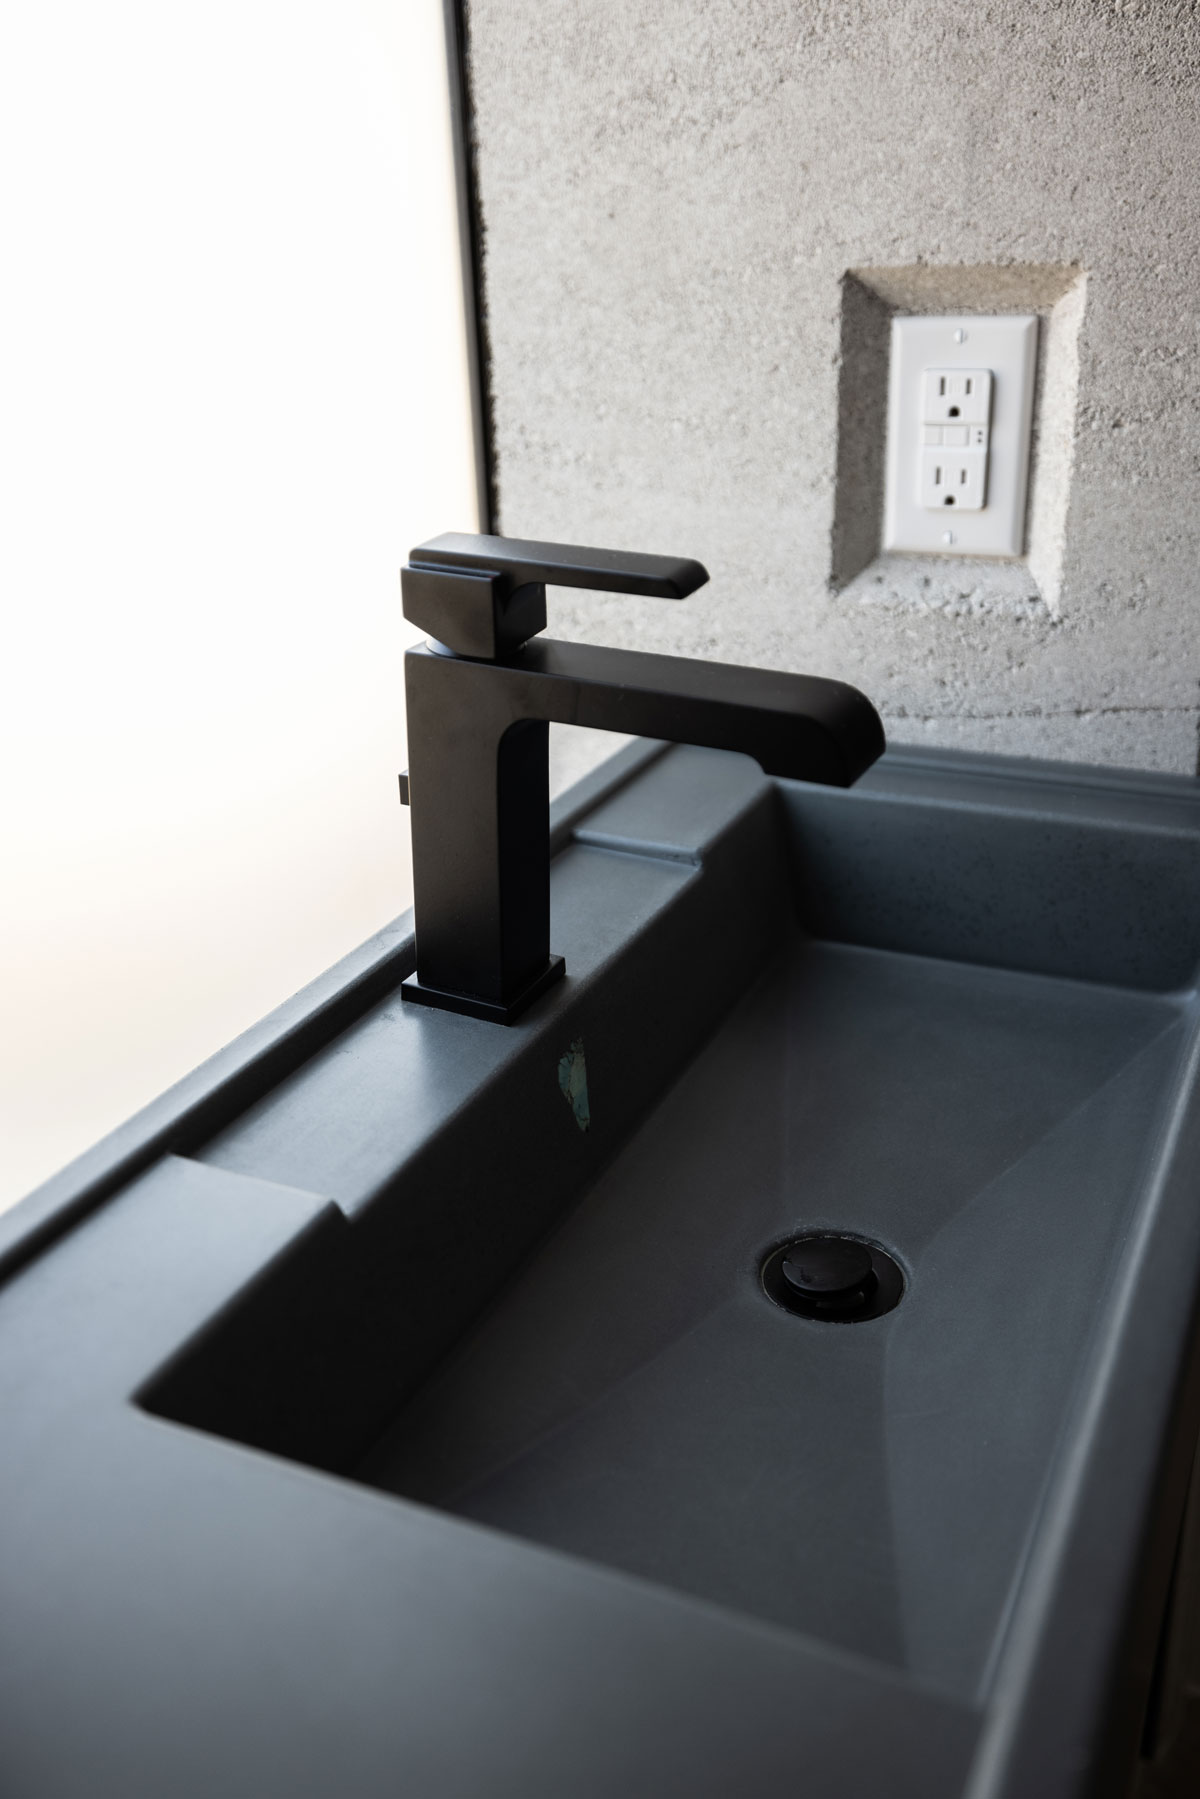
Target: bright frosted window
[235, 395]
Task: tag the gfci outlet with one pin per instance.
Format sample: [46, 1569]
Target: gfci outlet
[960, 411]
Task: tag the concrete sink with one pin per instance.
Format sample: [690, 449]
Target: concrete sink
[419, 1409]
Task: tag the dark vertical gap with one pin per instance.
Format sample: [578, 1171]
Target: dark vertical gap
[1160, 1695]
[470, 238]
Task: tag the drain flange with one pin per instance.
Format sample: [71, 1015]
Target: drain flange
[839, 1280]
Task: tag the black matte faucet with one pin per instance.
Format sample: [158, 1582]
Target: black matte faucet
[481, 697]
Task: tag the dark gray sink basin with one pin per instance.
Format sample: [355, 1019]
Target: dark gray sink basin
[633, 1397]
[555, 1499]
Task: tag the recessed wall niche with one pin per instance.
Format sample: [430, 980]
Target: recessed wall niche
[1020, 586]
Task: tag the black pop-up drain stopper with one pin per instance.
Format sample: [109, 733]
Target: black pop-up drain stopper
[840, 1279]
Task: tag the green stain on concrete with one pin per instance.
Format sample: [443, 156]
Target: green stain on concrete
[572, 1078]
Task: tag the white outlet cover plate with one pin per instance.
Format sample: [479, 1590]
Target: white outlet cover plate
[1007, 345]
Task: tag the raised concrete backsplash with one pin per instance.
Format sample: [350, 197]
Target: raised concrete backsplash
[698, 220]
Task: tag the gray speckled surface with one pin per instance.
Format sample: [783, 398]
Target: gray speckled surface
[672, 197]
[197, 1602]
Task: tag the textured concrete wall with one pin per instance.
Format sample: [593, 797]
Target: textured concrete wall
[698, 217]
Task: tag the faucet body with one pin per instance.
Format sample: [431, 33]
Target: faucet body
[478, 731]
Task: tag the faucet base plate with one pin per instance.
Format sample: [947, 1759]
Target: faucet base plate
[422, 995]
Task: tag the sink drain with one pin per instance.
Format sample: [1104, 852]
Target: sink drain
[841, 1280]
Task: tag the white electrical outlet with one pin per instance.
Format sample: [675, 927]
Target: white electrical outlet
[955, 478]
[960, 410]
[964, 395]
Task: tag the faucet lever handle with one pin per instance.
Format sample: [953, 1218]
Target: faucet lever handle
[485, 596]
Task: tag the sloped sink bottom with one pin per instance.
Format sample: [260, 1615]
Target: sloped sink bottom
[634, 1398]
